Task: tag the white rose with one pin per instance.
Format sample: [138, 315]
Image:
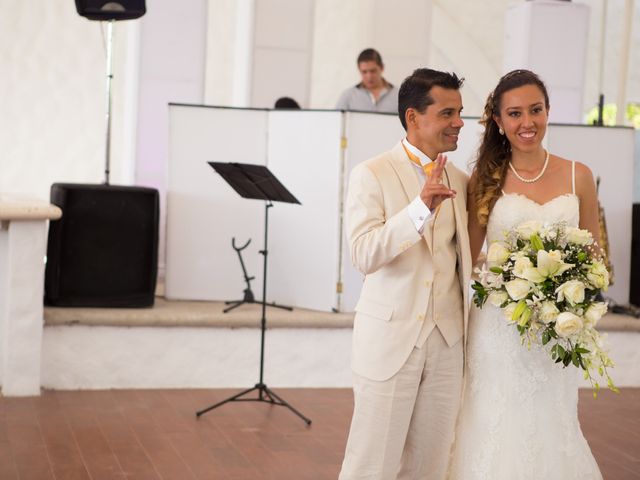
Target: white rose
[518, 288]
[498, 297]
[508, 311]
[595, 312]
[526, 229]
[568, 324]
[550, 264]
[578, 236]
[497, 254]
[598, 275]
[520, 265]
[548, 312]
[571, 291]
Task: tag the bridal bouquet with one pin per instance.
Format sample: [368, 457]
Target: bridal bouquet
[546, 279]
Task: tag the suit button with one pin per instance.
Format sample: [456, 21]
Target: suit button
[420, 317]
[427, 283]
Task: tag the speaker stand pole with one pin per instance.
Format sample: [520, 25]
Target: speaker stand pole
[108, 98]
[265, 394]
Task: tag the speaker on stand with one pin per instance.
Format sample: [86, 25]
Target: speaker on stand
[103, 252]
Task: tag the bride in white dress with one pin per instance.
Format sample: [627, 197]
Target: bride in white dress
[519, 418]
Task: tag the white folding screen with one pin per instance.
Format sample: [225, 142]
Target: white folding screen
[308, 255]
[305, 155]
[367, 135]
[608, 152]
[203, 211]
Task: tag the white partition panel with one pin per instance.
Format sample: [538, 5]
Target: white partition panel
[203, 211]
[308, 254]
[609, 153]
[368, 135]
[305, 155]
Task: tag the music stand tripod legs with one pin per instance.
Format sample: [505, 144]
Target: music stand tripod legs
[265, 394]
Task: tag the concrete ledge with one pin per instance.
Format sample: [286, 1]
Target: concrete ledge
[19, 207]
[179, 313]
[174, 313]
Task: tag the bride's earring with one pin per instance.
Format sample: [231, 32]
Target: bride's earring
[500, 131]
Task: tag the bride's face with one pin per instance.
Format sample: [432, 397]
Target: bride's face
[523, 117]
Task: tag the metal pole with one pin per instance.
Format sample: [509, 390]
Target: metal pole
[263, 320]
[624, 63]
[108, 98]
[603, 41]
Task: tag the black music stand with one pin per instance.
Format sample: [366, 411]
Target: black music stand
[257, 182]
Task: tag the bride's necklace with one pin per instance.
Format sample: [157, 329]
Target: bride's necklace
[537, 177]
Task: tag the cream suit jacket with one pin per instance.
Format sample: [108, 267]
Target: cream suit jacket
[396, 260]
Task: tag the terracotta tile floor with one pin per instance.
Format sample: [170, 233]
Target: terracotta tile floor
[154, 434]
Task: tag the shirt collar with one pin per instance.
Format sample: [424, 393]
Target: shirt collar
[424, 160]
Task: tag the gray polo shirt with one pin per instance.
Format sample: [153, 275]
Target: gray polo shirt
[359, 98]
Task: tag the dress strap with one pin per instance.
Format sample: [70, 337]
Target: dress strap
[573, 177]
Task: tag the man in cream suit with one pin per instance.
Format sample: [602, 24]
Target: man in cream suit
[407, 230]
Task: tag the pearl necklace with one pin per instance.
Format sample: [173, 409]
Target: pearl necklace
[537, 177]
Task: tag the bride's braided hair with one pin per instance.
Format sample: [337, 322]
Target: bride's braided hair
[494, 152]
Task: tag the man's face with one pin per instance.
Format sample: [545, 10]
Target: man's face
[371, 74]
[436, 129]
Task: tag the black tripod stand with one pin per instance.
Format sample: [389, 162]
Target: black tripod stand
[254, 181]
[249, 297]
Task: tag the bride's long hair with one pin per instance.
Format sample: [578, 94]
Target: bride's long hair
[494, 152]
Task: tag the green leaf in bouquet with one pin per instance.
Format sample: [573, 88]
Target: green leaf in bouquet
[526, 315]
[582, 350]
[545, 337]
[497, 270]
[518, 310]
[581, 256]
[575, 358]
[536, 242]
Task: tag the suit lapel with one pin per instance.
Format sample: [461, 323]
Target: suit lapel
[406, 172]
[462, 246]
[409, 180]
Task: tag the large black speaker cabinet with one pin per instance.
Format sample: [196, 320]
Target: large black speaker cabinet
[634, 284]
[111, 9]
[103, 252]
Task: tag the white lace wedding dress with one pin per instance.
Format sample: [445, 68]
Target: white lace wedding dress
[519, 418]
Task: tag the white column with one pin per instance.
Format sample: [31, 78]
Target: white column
[550, 37]
[625, 56]
[22, 250]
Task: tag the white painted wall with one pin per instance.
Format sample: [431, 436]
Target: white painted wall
[52, 88]
[282, 47]
[532, 31]
[172, 69]
[400, 31]
[81, 357]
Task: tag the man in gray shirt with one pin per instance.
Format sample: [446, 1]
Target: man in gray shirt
[373, 93]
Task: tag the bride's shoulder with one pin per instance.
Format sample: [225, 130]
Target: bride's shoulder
[566, 166]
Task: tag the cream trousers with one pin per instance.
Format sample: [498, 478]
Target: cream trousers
[403, 428]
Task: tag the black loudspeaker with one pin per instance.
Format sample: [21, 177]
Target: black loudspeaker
[111, 10]
[634, 284]
[103, 252]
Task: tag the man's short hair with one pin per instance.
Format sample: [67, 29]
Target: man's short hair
[414, 91]
[286, 103]
[370, 55]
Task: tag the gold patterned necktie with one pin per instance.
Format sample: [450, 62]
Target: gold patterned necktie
[427, 167]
